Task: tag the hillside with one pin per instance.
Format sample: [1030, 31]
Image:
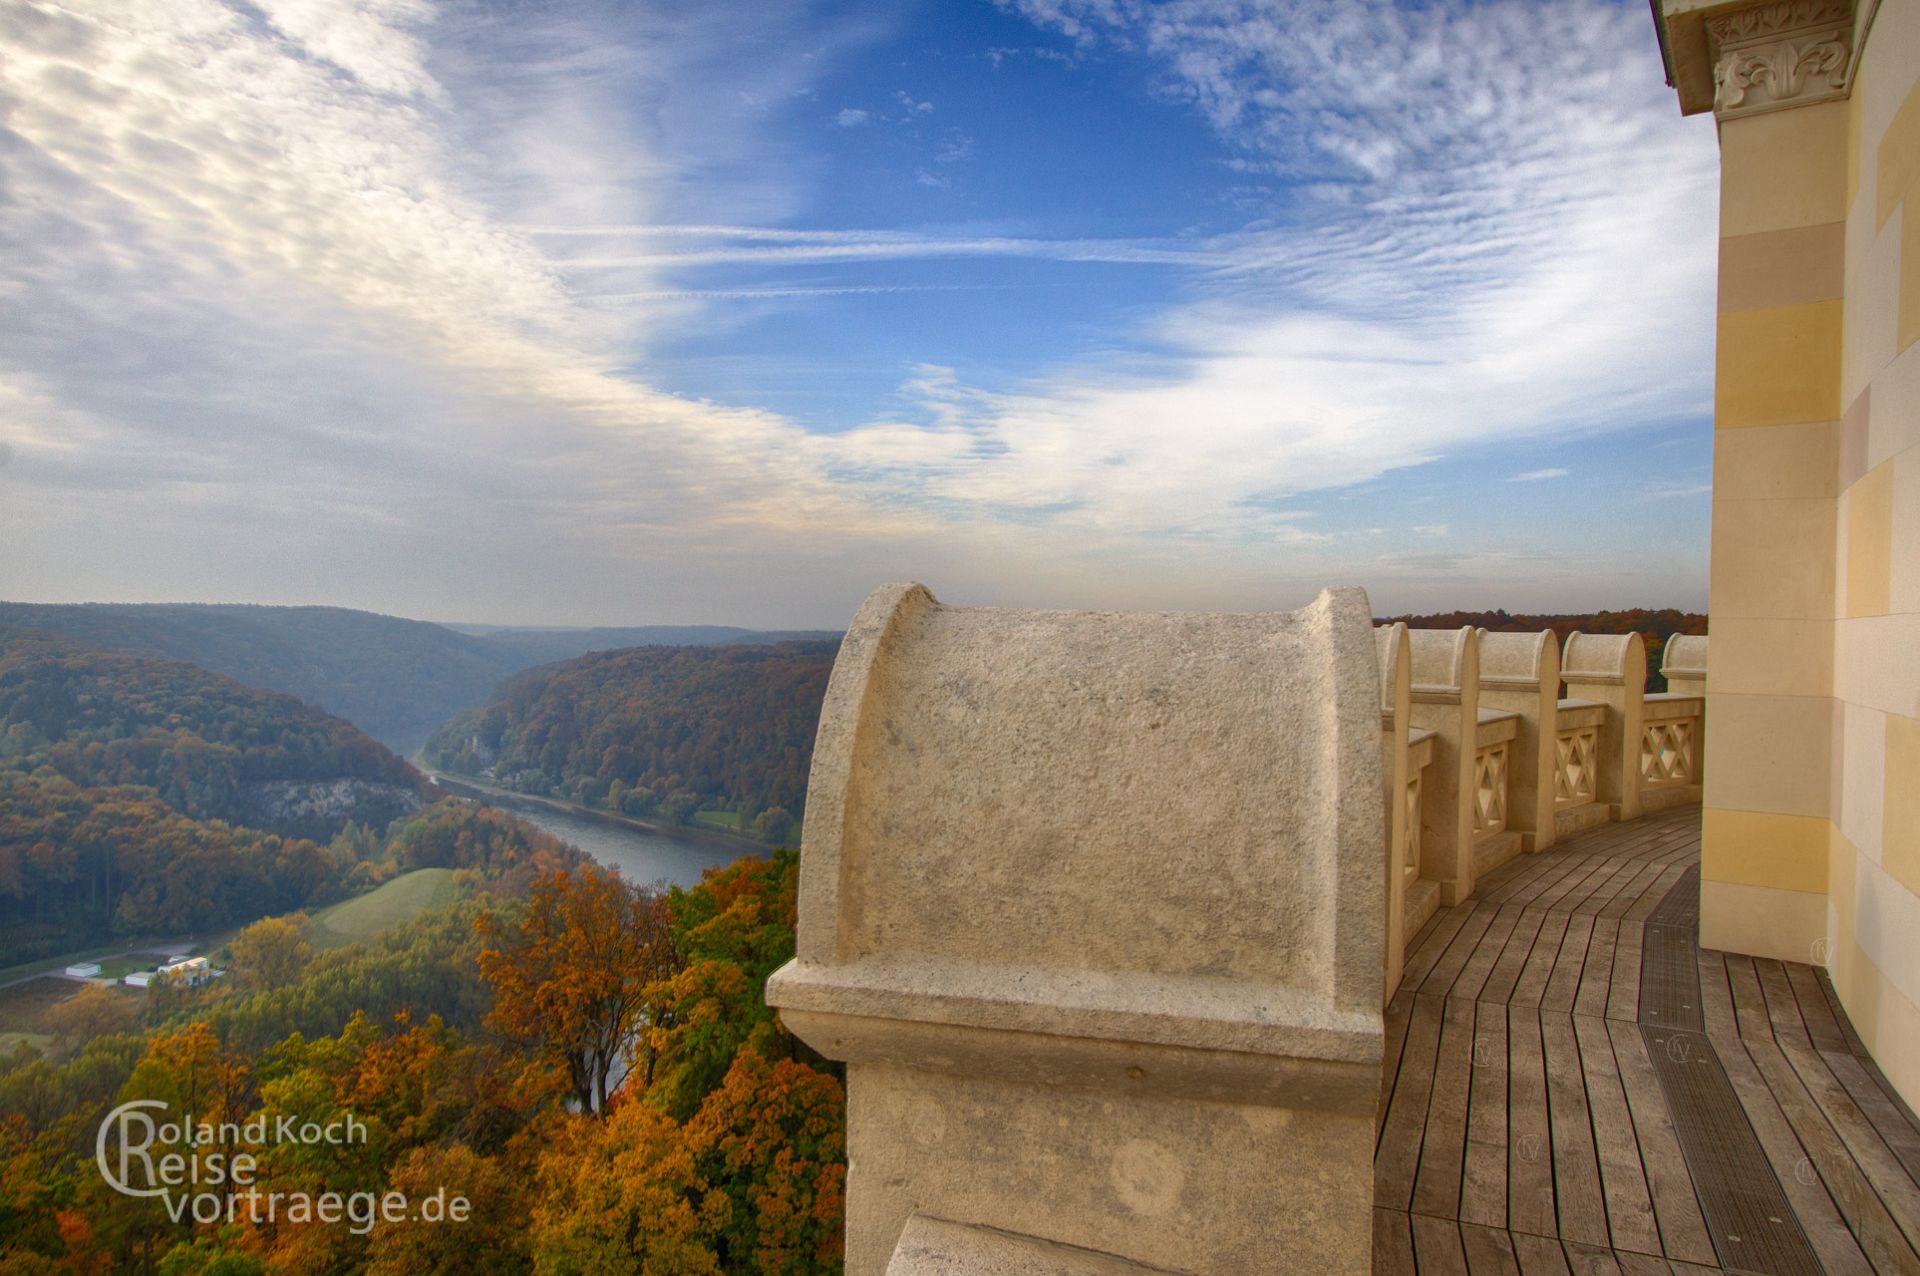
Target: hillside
[395, 679]
[367, 917]
[656, 732]
[525, 648]
[141, 796]
[209, 747]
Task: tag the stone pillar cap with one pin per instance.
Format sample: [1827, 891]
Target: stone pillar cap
[1442, 660]
[1521, 661]
[1685, 656]
[1120, 827]
[1601, 658]
[1388, 642]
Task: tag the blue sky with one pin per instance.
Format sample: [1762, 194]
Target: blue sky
[626, 313]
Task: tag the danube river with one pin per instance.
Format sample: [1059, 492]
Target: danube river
[641, 853]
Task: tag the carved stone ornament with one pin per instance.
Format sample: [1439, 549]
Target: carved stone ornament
[1772, 56]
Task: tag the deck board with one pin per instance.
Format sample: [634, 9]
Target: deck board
[1574, 1088]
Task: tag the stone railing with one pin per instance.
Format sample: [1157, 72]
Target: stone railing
[1096, 908]
[1497, 763]
[1611, 670]
[1672, 730]
[1520, 674]
[1419, 896]
[1400, 815]
[1446, 697]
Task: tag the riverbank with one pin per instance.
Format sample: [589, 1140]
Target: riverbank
[477, 788]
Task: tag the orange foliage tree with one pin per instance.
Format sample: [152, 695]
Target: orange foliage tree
[772, 1139]
[571, 978]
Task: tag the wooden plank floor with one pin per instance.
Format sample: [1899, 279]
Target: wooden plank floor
[1574, 1087]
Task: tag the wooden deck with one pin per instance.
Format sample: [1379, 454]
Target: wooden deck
[1574, 1088]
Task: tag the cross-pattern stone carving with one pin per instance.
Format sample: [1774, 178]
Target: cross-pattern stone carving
[1490, 790]
[1576, 754]
[1666, 753]
[1412, 866]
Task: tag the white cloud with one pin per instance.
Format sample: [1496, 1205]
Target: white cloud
[850, 117]
[334, 281]
[1535, 476]
[1510, 237]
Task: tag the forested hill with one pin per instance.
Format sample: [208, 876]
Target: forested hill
[395, 679]
[141, 796]
[1654, 625]
[525, 648]
[209, 747]
[658, 732]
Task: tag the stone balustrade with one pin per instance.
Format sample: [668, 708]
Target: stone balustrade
[1611, 670]
[1100, 910]
[1520, 674]
[1085, 911]
[1446, 697]
[1493, 761]
[1673, 728]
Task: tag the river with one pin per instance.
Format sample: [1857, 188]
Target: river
[642, 854]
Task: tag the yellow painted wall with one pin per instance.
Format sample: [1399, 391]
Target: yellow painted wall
[1781, 330]
[1811, 836]
[1874, 900]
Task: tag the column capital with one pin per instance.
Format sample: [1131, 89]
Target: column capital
[1747, 58]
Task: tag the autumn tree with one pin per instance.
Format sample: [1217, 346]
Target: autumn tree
[94, 1011]
[571, 978]
[732, 930]
[271, 952]
[772, 1140]
[623, 1195]
[490, 1240]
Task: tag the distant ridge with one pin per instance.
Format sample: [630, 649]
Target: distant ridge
[395, 679]
[531, 646]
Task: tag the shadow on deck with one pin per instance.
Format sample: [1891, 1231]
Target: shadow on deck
[1573, 1086]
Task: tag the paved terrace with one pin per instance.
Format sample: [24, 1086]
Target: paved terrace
[1574, 1087]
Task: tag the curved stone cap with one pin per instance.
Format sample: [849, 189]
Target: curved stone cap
[1603, 658]
[1685, 656]
[1147, 827]
[1443, 660]
[1390, 650]
[1519, 662]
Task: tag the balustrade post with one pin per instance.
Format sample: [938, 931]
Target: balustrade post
[1446, 698]
[1091, 904]
[1673, 739]
[1395, 658]
[1611, 670]
[1520, 673]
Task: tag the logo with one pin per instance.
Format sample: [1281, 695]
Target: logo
[207, 1171]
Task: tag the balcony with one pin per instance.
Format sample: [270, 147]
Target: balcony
[1573, 1085]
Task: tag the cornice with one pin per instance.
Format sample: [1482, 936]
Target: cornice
[1784, 54]
[1746, 58]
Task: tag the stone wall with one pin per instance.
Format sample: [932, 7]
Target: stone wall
[1811, 833]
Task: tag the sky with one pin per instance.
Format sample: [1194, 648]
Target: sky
[571, 313]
